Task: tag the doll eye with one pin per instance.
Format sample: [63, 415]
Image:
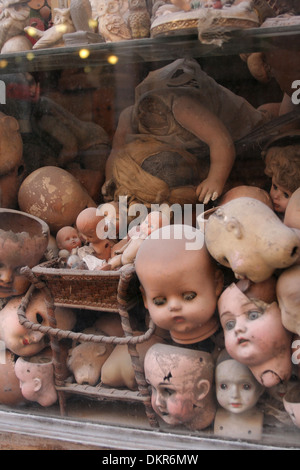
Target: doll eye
[223, 386]
[159, 301]
[168, 391]
[286, 195]
[189, 296]
[275, 187]
[229, 325]
[247, 387]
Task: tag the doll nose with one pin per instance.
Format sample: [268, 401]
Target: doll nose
[174, 305]
[234, 391]
[6, 276]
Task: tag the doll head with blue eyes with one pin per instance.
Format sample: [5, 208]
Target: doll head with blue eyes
[253, 331]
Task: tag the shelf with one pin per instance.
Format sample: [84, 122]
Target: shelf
[162, 48]
[99, 392]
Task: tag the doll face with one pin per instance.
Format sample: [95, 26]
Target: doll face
[68, 238]
[280, 197]
[253, 330]
[181, 296]
[237, 390]
[177, 385]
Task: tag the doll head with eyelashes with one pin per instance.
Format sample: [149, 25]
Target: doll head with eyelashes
[253, 332]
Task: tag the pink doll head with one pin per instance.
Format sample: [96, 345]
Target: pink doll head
[251, 250]
[237, 389]
[254, 334]
[181, 381]
[23, 241]
[282, 164]
[180, 286]
[67, 238]
[36, 376]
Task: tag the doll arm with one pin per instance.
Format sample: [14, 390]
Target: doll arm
[201, 122]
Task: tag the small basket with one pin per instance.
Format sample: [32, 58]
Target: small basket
[94, 290]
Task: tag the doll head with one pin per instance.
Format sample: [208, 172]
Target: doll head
[282, 164]
[291, 402]
[288, 295]
[36, 376]
[67, 238]
[23, 241]
[181, 381]
[180, 286]
[87, 224]
[27, 342]
[254, 334]
[237, 389]
[251, 249]
[292, 213]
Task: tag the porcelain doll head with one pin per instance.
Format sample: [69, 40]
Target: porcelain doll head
[248, 237]
[288, 294]
[292, 212]
[67, 238]
[180, 286]
[36, 376]
[23, 241]
[282, 164]
[247, 191]
[237, 389]
[254, 334]
[87, 224]
[181, 380]
[27, 342]
[291, 402]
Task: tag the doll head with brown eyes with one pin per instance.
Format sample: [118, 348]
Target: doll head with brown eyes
[253, 331]
[237, 393]
[180, 283]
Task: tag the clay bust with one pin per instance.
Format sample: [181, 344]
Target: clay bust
[288, 295]
[27, 342]
[87, 223]
[67, 238]
[181, 380]
[36, 376]
[254, 334]
[54, 195]
[127, 254]
[237, 393]
[23, 241]
[180, 283]
[251, 249]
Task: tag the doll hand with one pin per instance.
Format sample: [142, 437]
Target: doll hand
[208, 190]
[108, 190]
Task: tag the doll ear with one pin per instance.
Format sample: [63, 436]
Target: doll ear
[144, 296]
[203, 388]
[233, 225]
[37, 384]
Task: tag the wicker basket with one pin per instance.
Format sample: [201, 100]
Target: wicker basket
[77, 288]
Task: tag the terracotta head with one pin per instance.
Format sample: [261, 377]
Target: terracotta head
[248, 237]
[180, 283]
[181, 381]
